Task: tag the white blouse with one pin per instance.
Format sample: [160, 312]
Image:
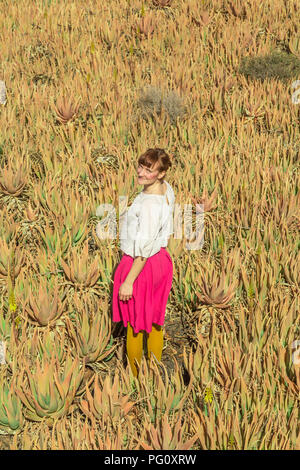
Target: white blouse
[147, 224]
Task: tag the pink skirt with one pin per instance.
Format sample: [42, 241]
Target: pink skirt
[150, 292]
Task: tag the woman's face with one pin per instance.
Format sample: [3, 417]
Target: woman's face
[147, 175]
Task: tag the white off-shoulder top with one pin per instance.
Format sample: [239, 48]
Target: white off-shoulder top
[147, 224]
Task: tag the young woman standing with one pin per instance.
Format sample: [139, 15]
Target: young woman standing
[143, 278]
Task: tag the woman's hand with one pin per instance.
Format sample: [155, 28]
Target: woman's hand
[125, 291]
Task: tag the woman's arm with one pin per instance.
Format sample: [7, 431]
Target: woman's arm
[137, 266]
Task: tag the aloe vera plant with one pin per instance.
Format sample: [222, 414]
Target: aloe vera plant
[11, 416]
[108, 401]
[5, 327]
[14, 178]
[91, 336]
[291, 269]
[55, 241]
[218, 294]
[167, 434]
[44, 308]
[5, 259]
[79, 271]
[162, 398]
[45, 343]
[48, 392]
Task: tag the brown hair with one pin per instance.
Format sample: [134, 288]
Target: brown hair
[152, 156]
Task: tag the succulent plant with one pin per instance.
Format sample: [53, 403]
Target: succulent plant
[45, 305]
[80, 271]
[168, 434]
[217, 294]
[5, 327]
[291, 269]
[239, 11]
[108, 401]
[49, 392]
[55, 240]
[66, 110]
[206, 201]
[91, 336]
[294, 46]
[11, 417]
[45, 342]
[164, 397]
[31, 214]
[5, 260]
[13, 179]
[146, 25]
[162, 3]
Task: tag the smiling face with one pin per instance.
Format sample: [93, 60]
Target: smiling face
[149, 175]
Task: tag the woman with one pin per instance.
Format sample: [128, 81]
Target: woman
[143, 278]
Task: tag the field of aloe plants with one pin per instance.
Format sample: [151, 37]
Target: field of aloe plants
[86, 87]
